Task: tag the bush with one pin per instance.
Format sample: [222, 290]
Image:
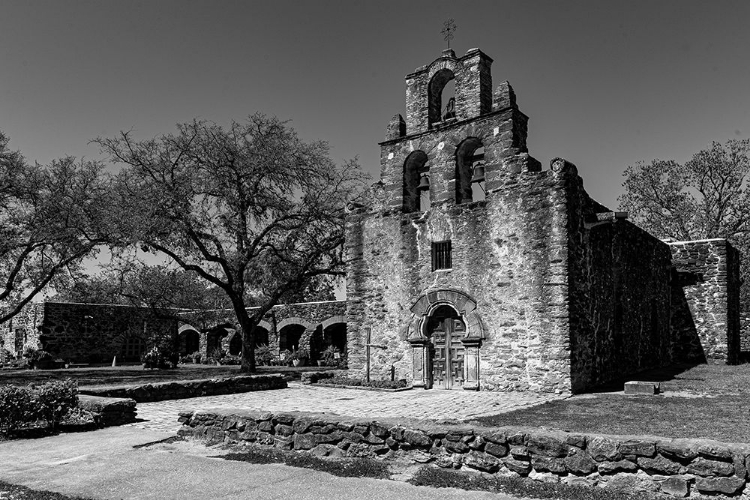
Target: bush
[26, 406]
[231, 359]
[196, 357]
[285, 357]
[153, 358]
[379, 384]
[217, 355]
[263, 355]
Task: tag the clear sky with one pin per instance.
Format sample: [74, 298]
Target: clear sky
[605, 84]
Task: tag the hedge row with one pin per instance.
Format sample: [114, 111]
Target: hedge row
[36, 404]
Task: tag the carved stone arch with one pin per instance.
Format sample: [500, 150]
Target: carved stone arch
[265, 325]
[464, 304]
[332, 321]
[186, 326]
[295, 320]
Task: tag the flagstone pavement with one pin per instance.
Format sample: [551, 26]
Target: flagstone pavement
[416, 403]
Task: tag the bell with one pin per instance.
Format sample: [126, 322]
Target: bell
[424, 183]
[478, 174]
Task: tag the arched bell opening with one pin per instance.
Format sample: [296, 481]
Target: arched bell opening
[416, 193]
[440, 92]
[470, 171]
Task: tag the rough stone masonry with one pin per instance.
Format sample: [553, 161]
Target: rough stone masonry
[526, 284]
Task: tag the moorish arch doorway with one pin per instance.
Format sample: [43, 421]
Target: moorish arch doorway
[446, 334]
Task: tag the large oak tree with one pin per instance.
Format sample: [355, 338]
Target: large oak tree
[250, 208]
[706, 197]
[51, 218]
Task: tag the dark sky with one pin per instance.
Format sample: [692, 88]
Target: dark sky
[605, 84]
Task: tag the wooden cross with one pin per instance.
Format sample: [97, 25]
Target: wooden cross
[368, 345]
[449, 27]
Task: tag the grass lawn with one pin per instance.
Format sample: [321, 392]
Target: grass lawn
[137, 375]
[708, 401]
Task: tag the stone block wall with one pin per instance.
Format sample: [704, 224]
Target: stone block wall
[673, 467]
[84, 332]
[619, 295]
[705, 297]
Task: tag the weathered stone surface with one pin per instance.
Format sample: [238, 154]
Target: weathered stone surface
[379, 430]
[497, 437]
[498, 450]
[637, 447]
[455, 446]
[519, 466]
[713, 450]
[547, 464]
[681, 449]
[603, 449]
[481, 461]
[520, 452]
[631, 483]
[676, 486]
[705, 467]
[283, 442]
[417, 438]
[547, 445]
[544, 477]
[265, 426]
[580, 463]
[615, 467]
[660, 465]
[284, 430]
[725, 485]
[304, 441]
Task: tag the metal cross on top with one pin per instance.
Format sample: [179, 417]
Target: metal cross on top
[449, 27]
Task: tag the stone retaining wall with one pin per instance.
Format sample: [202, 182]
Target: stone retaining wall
[190, 388]
[674, 467]
[109, 411]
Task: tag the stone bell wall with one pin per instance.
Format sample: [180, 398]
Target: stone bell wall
[673, 467]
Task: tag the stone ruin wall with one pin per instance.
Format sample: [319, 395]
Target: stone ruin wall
[706, 308]
[619, 295]
[84, 332]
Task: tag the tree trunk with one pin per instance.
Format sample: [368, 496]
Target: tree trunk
[248, 325]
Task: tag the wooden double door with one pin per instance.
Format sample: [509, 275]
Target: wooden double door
[446, 329]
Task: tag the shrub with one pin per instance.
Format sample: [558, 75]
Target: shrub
[231, 359]
[285, 357]
[356, 382]
[152, 358]
[196, 357]
[217, 355]
[263, 355]
[25, 406]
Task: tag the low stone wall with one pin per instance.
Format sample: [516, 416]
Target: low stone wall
[674, 467]
[108, 411]
[190, 388]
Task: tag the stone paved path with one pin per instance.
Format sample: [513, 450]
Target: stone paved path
[421, 404]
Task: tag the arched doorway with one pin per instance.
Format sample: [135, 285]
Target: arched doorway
[289, 337]
[446, 329]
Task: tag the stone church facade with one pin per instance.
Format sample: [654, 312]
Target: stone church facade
[474, 268]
